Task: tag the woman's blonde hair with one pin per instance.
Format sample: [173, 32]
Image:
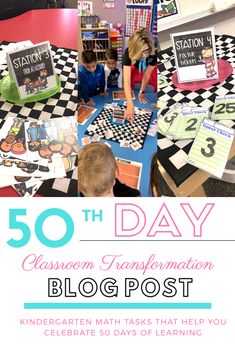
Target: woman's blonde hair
[137, 41]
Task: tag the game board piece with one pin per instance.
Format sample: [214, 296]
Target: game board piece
[108, 134]
[84, 113]
[129, 172]
[125, 143]
[152, 130]
[120, 95]
[95, 138]
[101, 123]
[138, 130]
[118, 116]
[135, 146]
[91, 128]
[86, 141]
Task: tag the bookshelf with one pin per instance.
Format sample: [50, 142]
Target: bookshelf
[116, 42]
[96, 39]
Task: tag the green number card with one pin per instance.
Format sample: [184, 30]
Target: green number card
[165, 122]
[162, 81]
[224, 108]
[211, 147]
[160, 107]
[190, 122]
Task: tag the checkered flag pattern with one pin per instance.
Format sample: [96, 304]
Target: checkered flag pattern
[173, 154]
[102, 124]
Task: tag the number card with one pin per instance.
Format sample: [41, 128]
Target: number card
[195, 55]
[224, 108]
[166, 121]
[211, 147]
[162, 81]
[190, 122]
[161, 105]
[32, 69]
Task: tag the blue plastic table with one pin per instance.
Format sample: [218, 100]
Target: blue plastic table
[143, 155]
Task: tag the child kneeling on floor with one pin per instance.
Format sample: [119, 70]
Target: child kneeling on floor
[91, 77]
[97, 173]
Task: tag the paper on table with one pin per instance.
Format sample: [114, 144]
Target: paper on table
[211, 147]
[224, 108]
[190, 122]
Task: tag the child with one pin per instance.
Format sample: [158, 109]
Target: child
[153, 175]
[97, 170]
[113, 70]
[91, 79]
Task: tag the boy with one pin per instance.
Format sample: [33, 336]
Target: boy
[97, 170]
[113, 70]
[91, 79]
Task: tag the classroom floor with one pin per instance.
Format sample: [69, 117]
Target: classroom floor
[212, 187]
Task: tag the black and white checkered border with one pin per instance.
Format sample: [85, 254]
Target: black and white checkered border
[121, 132]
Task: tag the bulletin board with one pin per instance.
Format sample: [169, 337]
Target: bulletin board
[167, 9]
[138, 15]
[142, 15]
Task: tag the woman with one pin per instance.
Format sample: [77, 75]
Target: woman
[139, 64]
